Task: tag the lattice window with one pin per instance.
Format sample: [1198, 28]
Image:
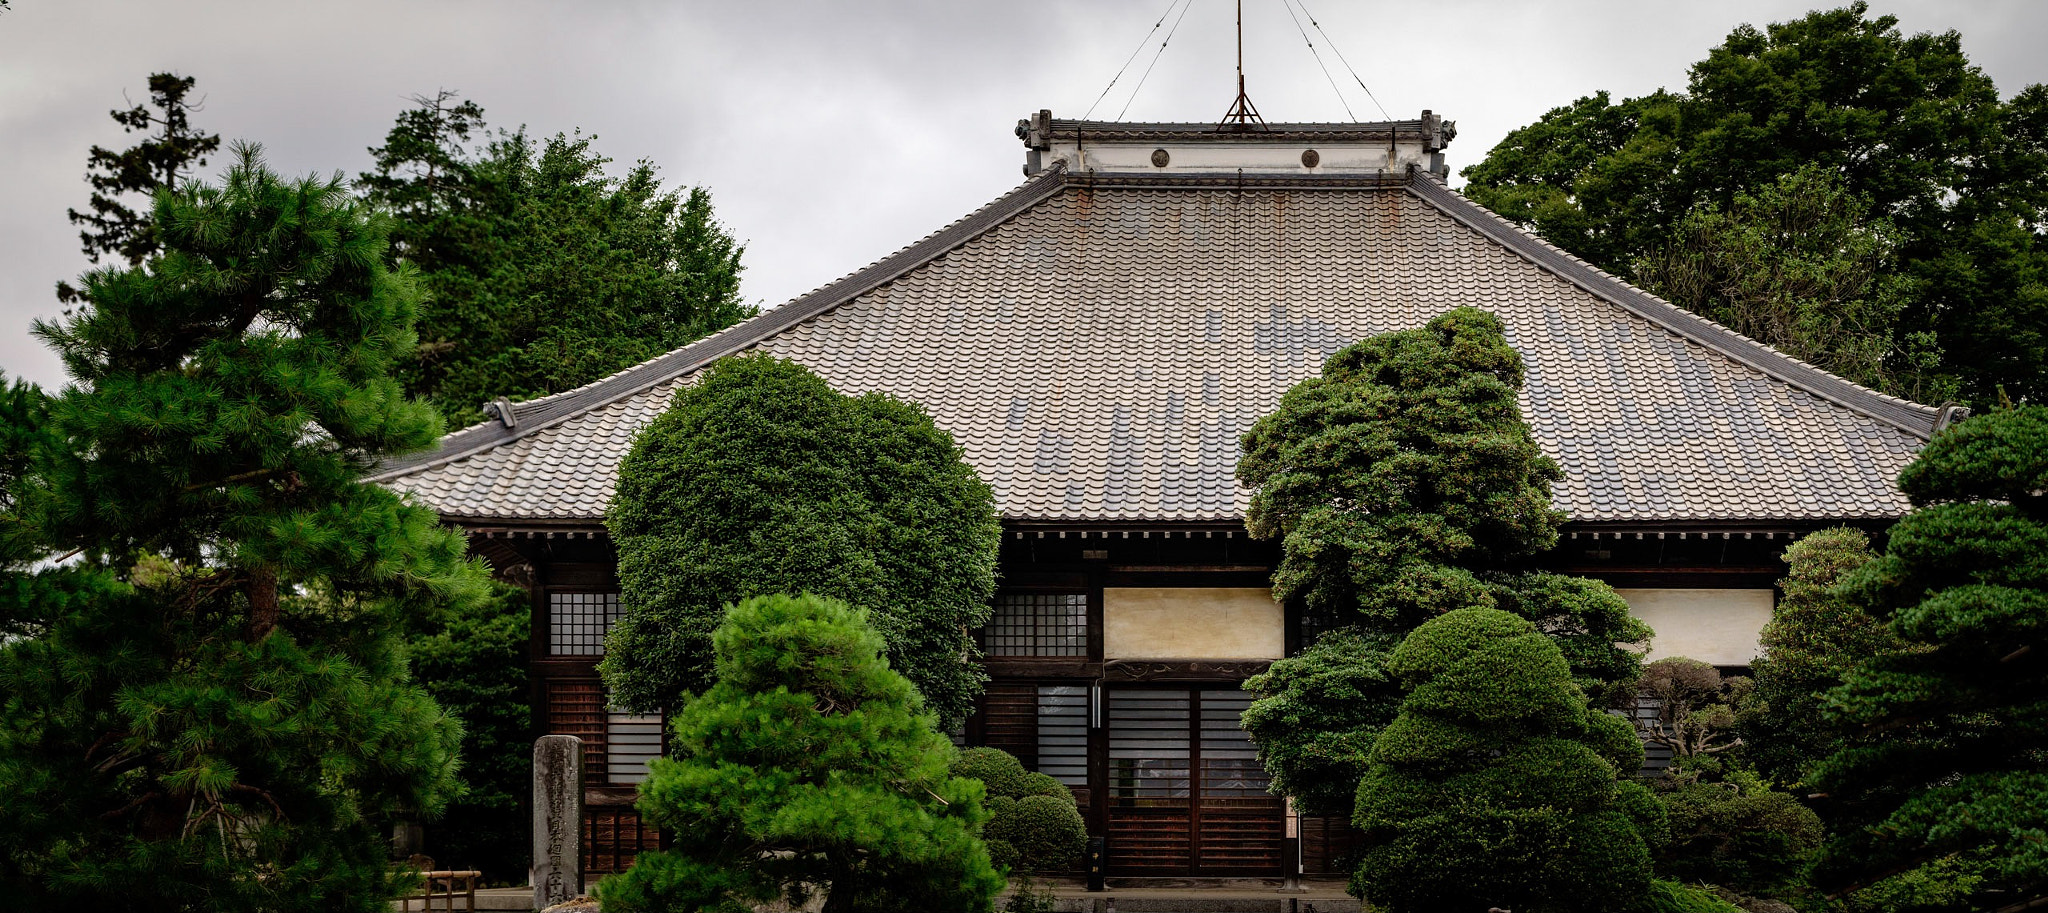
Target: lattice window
[630, 741]
[1657, 756]
[1063, 733]
[578, 622]
[1313, 625]
[613, 836]
[1232, 776]
[1037, 624]
[1149, 747]
[576, 707]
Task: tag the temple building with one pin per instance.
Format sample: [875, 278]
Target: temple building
[1097, 339]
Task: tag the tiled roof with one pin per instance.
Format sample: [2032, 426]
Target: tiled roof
[1097, 347]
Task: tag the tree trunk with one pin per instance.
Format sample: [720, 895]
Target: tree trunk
[263, 610]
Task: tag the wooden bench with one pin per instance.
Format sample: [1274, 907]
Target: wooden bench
[446, 886]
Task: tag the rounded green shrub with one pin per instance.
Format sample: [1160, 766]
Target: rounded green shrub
[1038, 784]
[1401, 483]
[1748, 839]
[998, 770]
[760, 479]
[1495, 786]
[1046, 832]
[1033, 823]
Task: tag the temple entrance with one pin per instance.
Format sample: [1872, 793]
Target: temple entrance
[1186, 795]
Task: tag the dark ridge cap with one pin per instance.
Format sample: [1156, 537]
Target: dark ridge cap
[1110, 128]
[536, 415]
[1231, 180]
[1914, 419]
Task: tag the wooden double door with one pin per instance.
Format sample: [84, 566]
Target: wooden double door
[1185, 794]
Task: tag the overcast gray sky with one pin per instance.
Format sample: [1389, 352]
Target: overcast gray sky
[828, 133]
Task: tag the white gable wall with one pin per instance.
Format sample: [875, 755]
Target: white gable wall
[1721, 627]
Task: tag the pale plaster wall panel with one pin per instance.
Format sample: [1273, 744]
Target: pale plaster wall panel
[1192, 623]
[1713, 626]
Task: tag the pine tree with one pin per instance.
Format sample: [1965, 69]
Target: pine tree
[809, 767]
[159, 162]
[1403, 484]
[761, 479]
[1955, 764]
[211, 709]
[1497, 786]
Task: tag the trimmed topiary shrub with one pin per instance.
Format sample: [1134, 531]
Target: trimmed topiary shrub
[1033, 824]
[1497, 785]
[1046, 832]
[1038, 784]
[998, 770]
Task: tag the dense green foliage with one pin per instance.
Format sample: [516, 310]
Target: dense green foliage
[207, 707]
[761, 479]
[1317, 715]
[1816, 634]
[808, 767]
[1727, 826]
[473, 662]
[543, 273]
[1964, 582]
[1497, 785]
[1034, 824]
[159, 162]
[1737, 833]
[1950, 884]
[1796, 264]
[1403, 484]
[1947, 178]
[1672, 897]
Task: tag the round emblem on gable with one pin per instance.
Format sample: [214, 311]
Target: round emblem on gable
[1310, 158]
[1160, 158]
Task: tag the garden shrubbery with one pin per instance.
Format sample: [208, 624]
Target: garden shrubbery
[808, 767]
[1033, 823]
[1403, 483]
[1497, 785]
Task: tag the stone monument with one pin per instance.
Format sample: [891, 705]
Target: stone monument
[557, 873]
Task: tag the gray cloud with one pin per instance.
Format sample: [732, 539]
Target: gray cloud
[829, 133]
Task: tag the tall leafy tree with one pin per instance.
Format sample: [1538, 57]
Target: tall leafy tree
[166, 155]
[543, 272]
[1961, 711]
[1906, 124]
[210, 708]
[1498, 786]
[1795, 265]
[1815, 636]
[762, 479]
[809, 768]
[1403, 484]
